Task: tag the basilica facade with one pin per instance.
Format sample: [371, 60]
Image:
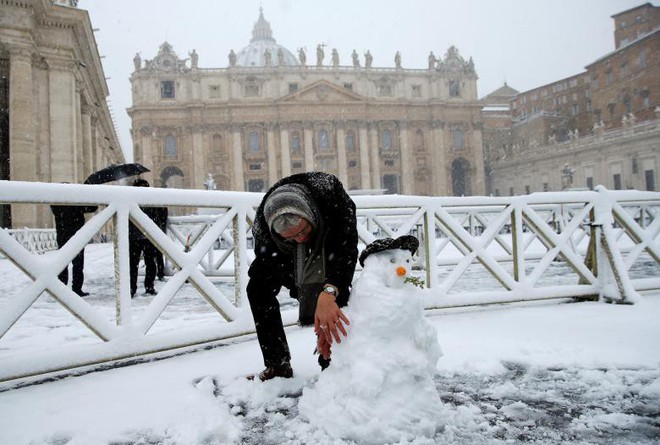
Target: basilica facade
[270, 113]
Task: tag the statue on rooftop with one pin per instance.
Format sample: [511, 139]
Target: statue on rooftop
[194, 58]
[368, 58]
[302, 57]
[397, 59]
[335, 57]
[137, 61]
[356, 59]
[232, 58]
[320, 54]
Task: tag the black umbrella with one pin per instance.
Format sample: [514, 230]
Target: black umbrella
[115, 172]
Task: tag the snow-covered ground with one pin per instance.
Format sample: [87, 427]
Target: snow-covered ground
[585, 373]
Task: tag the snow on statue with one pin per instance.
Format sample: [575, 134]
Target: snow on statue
[380, 386]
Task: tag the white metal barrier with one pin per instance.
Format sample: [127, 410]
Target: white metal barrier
[600, 235]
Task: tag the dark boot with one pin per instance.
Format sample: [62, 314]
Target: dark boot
[284, 370]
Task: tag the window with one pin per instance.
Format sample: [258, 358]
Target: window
[590, 183]
[391, 184]
[575, 109]
[643, 58]
[389, 163]
[350, 140]
[293, 87]
[416, 91]
[626, 103]
[323, 141]
[385, 90]
[297, 164]
[254, 141]
[170, 146]
[256, 185]
[635, 167]
[617, 181]
[646, 100]
[624, 69]
[255, 167]
[527, 190]
[348, 86]
[295, 142]
[386, 137]
[352, 164]
[214, 91]
[458, 138]
[454, 88]
[167, 89]
[497, 192]
[546, 187]
[650, 180]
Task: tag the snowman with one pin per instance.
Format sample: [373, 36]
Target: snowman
[380, 388]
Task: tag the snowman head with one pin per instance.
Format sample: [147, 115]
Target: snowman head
[392, 267]
[391, 257]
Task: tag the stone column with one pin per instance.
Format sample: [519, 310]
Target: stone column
[22, 145]
[309, 148]
[366, 172]
[63, 122]
[439, 178]
[407, 162]
[374, 154]
[238, 183]
[272, 154]
[341, 155]
[286, 151]
[198, 159]
[86, 127]
[479, 181]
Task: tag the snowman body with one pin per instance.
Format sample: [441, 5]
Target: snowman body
[379, 387]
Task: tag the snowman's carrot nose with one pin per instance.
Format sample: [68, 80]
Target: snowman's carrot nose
[400, 271]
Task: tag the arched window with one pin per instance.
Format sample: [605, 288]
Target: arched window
[254, 141]
[295, 142]
[350, 140]
[386, 136]
[170, 146]
[323, 141]
[460, 177]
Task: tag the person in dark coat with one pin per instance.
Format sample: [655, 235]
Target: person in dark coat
[305, 234]
[160, 218]
[68, 220]
[138, 245]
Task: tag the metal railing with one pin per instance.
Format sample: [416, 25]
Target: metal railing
[514, 241]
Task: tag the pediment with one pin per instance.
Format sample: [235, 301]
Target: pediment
[322, 91]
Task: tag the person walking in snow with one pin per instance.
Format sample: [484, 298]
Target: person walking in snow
[305, 234]
[68, 220]
[138, 244]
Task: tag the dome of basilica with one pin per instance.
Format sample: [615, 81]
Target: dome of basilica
[262, 40]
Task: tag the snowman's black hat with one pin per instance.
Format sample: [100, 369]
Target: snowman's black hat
[405, 242]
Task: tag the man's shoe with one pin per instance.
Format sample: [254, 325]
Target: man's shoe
[81, 292]
[271, 372]
[150, 291]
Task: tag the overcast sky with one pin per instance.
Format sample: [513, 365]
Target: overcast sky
[527, 43]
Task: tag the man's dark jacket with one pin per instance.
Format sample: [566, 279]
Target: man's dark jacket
[273, 267]
[68, 220]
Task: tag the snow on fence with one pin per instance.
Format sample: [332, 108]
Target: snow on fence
[598, 235]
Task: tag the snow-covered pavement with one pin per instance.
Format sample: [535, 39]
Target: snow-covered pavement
[585, 373]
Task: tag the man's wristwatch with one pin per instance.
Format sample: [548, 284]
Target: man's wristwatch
[330, 289]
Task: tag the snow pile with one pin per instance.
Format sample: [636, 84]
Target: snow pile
[391, 349]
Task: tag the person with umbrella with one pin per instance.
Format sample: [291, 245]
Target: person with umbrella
[68, 220]
[138, 244]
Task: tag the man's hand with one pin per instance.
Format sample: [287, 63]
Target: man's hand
[329, 321]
